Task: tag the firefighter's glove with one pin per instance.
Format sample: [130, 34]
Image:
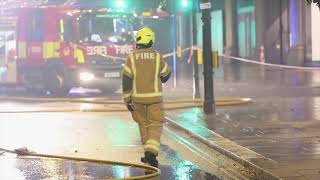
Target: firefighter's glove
[130, 106]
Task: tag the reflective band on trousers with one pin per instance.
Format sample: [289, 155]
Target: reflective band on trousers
[156, 92]
[127, 95]
[152, 144]
[146, 95]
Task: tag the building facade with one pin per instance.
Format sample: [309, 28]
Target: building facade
[284, 31]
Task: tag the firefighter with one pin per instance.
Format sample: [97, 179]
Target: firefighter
[143, 75]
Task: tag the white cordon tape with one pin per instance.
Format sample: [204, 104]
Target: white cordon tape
[164, 56]
[230, 57]
[271, 65]
[171, 54]
[114, 57]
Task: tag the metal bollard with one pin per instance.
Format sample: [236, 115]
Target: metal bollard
[215, 59]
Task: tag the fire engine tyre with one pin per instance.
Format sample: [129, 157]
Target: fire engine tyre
[34, 90]
[55, 82]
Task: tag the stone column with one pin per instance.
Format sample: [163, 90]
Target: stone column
[296, 55]
[260, 28]
[308, 34]
[231, 28]
[284, 30]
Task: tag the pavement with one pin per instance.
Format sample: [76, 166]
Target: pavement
[274, 137]
[278, 132]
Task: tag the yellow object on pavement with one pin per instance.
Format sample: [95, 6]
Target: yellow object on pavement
[215, 58]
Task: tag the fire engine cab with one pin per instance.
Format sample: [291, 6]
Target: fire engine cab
[60, 48]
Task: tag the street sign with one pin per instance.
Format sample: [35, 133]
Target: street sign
[206, 5]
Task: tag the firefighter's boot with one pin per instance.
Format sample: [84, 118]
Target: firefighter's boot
[143, 159]
[150, 159]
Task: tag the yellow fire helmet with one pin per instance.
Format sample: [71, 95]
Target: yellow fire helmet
[144, 36]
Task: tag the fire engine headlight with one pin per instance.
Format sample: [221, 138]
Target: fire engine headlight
[86, 76]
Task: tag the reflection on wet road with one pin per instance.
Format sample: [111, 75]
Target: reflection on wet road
[41, 168]
[95, 135]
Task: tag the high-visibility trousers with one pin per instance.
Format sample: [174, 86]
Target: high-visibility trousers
[150, 119]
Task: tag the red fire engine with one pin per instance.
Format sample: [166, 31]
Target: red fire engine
[59, 48]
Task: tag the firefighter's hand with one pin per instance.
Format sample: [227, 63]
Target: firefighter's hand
[130, 106]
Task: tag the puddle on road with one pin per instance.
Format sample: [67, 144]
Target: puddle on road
[43, 168]
[185, 172]
[182, 169]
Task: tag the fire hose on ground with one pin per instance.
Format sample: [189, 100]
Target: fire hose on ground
[152, 172]
[115, 105]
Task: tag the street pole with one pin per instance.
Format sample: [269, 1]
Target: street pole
[5, 48]
[196, 89]
[209, 103]
[281, 34]
[174, 45]
[173, 18]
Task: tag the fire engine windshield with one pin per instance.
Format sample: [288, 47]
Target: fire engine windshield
[103, 29]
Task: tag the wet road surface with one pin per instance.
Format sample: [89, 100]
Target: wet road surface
[106, 136]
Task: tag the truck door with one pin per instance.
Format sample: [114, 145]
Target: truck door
[35, 35]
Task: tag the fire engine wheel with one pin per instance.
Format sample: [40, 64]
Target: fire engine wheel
[55, 82]
[34, 90]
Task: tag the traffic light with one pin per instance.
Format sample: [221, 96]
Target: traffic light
[183, 5]
[177, 6]
[120, 4]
